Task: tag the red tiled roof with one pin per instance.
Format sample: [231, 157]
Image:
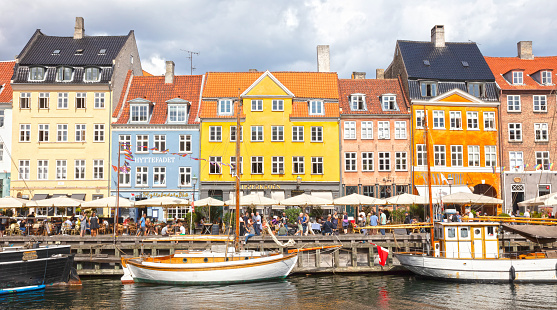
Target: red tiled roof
[145, 73]
[6, 72]
[209, 110]
[154, 89]
[301, 109]
[502, 65]
[322, 85]
[373, 89]
[123, 97]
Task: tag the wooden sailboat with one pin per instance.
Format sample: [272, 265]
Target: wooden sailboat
[471, 251]
[207, 267]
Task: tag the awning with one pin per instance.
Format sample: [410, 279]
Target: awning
[39, 196]
[278, 196]
[60, 195]
[534, 233]
[442, 190]
[324, 195]
[78, 196]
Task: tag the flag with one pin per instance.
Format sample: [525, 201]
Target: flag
[538, 166]
[550, 166]
[383, 254]
[443, 178]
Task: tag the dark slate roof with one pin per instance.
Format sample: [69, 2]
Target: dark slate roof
[21, 75]
[40, 51]
[443, 87]
[445, 62]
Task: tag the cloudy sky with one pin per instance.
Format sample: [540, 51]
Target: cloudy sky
[236, 35]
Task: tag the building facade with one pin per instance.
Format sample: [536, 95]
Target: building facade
[375, 137]
[289, 134]
[453, 93]
[6, 97]
[527, 113]
[157, 120]
[64, 90]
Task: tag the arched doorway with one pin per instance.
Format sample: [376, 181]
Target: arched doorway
[486, 190]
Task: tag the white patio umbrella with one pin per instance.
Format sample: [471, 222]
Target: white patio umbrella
[305, 200]
[162, 201]
[409, 199]
[550, 200]
[462, 198]
[253, 200]
[12, 202]
[538, 201]
[108, 202]
[358, 200]
[208, 202]
[61, 201]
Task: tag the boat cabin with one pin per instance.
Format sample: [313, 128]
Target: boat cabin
[466, 240]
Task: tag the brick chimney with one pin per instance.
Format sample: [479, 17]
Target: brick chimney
[438, 35]
[525, 50]
[358, 75]
[169, 74]
[380, 74]
[323, 64]
[79, 30]
[252, 70]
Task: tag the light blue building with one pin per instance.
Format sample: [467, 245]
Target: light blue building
[157, 120]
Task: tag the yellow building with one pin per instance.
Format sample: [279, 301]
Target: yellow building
[289, 135]
[63, 94]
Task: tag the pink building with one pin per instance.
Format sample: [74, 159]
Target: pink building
[375, 136]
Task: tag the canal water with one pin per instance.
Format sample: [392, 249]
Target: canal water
[368, 291]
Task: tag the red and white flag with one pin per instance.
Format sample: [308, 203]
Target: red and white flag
[383, 254]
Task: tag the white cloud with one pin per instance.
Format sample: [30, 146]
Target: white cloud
[154, 65]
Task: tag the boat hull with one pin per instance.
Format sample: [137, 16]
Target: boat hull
[251, 270]
[481, 270]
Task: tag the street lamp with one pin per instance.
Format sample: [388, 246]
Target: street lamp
[450, 180]
[298, 182]
[194, 182]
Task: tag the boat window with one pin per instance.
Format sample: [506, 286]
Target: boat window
[490, 231]
[451, 232]
[477, 231]
[464, 232]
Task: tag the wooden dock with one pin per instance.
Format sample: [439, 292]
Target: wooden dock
[100, 256]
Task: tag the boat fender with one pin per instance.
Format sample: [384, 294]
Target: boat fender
[512, 274]
[556, 270]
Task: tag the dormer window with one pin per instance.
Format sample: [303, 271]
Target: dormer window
[388, 102]
[36, 73]
[429, 89]
[225, 107]
[79, 52]
[56, 52]
[64, 74]
[518, 77]
[92, 74]
[358, 102]
[177, 110]
[546, 78]
[102, 51]
[476, 89]
[316, 107]
[139, 113]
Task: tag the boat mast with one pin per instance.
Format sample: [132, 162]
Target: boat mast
[117, 192]
[237, 169]
[429, 178]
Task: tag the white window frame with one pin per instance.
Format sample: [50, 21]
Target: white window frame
[44, 101]
[256, 163]
[421, 155]
[350, 161]
[98, 132]
[139, 113]
[225, 107]
[439, 155]
[388, 102]
[24, 101]
[420, 118]
[257, 134]
[98, 169]
[184, 176]
[215, 133]
[516, 161]
[513, 103]
[61, 169]
[215, 168]
[62, 101]
[277, 133]
[257, 105]
[37, 73]
[400, 130]
[439, 119]
[366, 130]
[298, 165]
[474, 156]
[316, 133]
[316, 107]
[24, 132]
[489, 121]
[472, 120]
[185, 143]
[81, 101]
[142, 144]
[24, 169]
[88, 74]
[159, 142]
[278, 105]
[79, 169]
[542, 157]
[317, 165]
[455, 119]
[141, 176]
[367, 161]
[177, 113]
[61, 132]
[401, 161]
[43, 133]
[277, 165]
[125, 179]
[233, 133]
[516, 130]
[518, 77]
[384, 130]
[349, 130]
[490, 155]
[457, 156]
[540, 103]
[80, 132]
[546, 77]
[42, 169]
[99, 101]
[384, 161]
[424, 89]
[358, 102]
[233, 165]
[297, 133]
[159, 176]
[541, 132]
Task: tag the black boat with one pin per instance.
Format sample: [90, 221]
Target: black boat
[34, 267]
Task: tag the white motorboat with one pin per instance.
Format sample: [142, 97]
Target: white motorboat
[471, 251]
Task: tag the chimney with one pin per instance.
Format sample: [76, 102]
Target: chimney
[438, 35]
[79, 30]
[525, 50]
[252, 70]
[358, 75]
[323, 64]
[380, 74]
[169, 74]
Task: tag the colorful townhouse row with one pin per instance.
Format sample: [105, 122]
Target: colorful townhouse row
[79, 117]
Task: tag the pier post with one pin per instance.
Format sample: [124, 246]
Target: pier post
[370, 256]
[300, 257]
[354, 256]
[336, 258]
[317, 258]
